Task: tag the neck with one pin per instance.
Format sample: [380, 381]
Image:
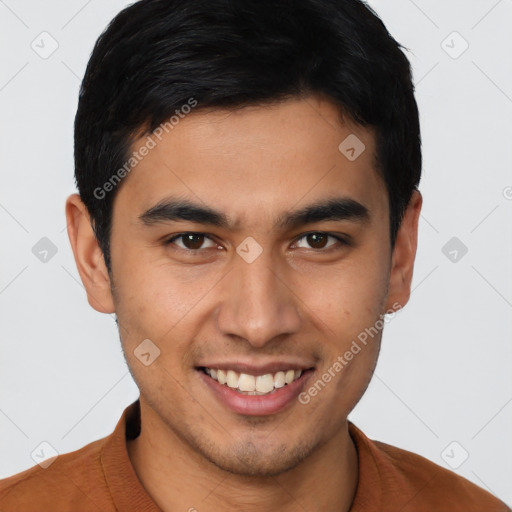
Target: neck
[179, 478]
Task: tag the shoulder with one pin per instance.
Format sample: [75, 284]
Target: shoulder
[72, 481]
[418, 484]
[432, 480]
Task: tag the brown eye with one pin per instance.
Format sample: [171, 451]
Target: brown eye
[190, 241]
[319, 240]
[193, 241]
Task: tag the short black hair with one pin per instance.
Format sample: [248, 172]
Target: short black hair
[156, 56]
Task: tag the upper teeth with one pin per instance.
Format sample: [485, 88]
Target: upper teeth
[252, 384]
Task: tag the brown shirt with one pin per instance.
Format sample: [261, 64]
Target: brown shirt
[100, 477]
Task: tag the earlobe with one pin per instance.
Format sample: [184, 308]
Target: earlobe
[404, 253]
[88, 256]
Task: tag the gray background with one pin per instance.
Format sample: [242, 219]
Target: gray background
[444, 371]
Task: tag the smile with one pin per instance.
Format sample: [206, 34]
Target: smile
[252, 384]
[255, 395]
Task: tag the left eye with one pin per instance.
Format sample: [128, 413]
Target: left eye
[319, 240]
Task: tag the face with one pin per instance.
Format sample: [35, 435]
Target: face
[273, 253]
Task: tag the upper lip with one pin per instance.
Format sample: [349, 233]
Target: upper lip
[258, 369]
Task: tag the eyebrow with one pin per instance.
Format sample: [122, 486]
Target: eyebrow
[337, 209]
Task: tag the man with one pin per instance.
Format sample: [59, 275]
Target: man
[248, 208]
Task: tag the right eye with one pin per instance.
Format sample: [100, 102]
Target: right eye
[191, 242]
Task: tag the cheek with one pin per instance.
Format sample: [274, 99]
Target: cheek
[346, 299]
[153, 297]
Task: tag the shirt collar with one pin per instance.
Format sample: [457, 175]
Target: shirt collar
[125, 487]
[129, 494]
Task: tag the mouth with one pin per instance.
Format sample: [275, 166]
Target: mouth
[250, 394]
[249, 384]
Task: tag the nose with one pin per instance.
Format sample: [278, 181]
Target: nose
[259, 305]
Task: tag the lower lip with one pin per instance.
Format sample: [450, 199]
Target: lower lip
[257, 405]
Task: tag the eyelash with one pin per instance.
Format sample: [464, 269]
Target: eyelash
[339, 239]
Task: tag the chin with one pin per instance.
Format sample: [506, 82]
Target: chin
[249, 460]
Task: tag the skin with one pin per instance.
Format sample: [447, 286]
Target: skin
[254, 164]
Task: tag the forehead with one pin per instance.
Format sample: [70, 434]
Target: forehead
[256, 162]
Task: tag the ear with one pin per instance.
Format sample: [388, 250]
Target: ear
[404, 253]
[88, 256]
